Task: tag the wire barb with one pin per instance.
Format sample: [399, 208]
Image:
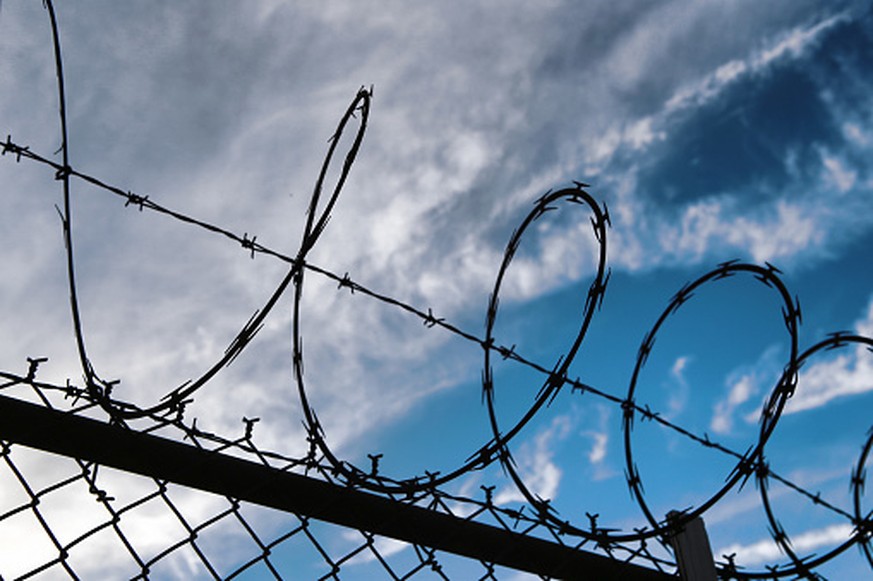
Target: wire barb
[428, 488]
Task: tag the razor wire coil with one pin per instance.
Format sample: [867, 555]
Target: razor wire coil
[97, 395]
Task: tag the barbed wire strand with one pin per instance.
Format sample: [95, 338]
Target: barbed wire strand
[430, 320]
[170, 411]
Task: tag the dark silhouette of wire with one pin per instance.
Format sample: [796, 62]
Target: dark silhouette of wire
[170, 409]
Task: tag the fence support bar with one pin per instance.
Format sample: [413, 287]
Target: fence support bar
[693, 552]
[148, 455]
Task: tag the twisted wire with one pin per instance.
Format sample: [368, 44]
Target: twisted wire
[748, 463]
[170, 410]
[463, 506]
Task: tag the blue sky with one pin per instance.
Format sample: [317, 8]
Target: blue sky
[712, 131]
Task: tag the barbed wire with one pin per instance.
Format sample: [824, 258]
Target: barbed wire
[748, 464]
[482, 509]
[169, 411]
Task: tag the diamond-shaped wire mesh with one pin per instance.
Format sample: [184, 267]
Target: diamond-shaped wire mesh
[65, 516]
[88, 521]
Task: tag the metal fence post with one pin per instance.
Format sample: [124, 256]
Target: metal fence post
[693, 552]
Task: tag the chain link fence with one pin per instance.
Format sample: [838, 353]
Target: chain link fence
[148, 494]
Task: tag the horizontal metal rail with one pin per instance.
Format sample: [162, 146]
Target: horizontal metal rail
[93, 441]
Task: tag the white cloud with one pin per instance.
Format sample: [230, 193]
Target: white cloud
[739, 393]
[535, 459]
[838, 173]
[767, 551]
[786, 234]
[800, 223]
[223, 114]
[429, 144]
[848, 373]
[780, 231]
[842, 376]
[856, 134]
[743, 385]
[72, 511]
[678, 369]
[679, 388]
[864, 326]
[384, 546]
[598, 450]
[792, 44]
[636, 135]
[598, 454]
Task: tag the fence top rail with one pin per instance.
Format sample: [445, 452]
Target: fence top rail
[84, 438]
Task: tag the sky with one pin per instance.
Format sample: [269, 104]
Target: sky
[711, 132]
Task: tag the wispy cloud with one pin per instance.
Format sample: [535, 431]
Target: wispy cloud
[382, 546]
[780, 225]
[679, 392]
[842, 176]
[477, 111]
[598, 454]
[744, 385]
[790, 44]
[848, 373]
[598, 450]
[739, 393]
[767, 551]
[535, 459]
[152, 527]
[699, 91]
[459, 139]
[844, 373]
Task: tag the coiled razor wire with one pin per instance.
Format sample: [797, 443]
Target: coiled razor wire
[270, 552]
[427, 489]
